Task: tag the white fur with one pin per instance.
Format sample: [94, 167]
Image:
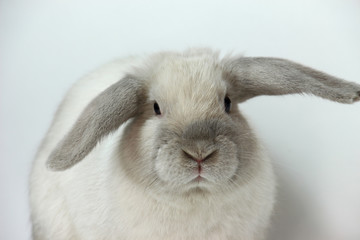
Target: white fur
[95, 200]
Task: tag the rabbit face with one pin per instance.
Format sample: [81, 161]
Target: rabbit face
[192, 135]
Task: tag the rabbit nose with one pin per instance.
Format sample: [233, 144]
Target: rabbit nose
[199, 158]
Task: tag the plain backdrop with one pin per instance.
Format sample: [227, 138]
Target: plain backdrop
[46, 45]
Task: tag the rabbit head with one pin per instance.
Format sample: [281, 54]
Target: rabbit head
[189, 134]
[185, 131]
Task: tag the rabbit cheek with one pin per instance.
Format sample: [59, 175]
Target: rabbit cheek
[226, 164]
[170, 167]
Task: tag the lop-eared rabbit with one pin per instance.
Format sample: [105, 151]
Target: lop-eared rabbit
[156, 148]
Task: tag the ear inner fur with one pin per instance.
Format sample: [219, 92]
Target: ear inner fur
[104, 114]
[273, 76]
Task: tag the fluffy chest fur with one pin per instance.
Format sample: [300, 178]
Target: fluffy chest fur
[131, 217]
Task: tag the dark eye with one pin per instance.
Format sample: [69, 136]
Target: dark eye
[227, 103]
[157, 109]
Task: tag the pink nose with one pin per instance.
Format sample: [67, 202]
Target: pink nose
[198, 158]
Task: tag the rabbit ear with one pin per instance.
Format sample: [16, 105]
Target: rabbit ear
[252, 77]
[104, 114]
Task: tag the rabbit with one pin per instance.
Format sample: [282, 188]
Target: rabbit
[155, 147]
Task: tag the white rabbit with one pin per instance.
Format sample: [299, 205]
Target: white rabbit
[156, 148]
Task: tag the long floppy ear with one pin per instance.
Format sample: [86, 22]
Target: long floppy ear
[250, 77]
[104, 114]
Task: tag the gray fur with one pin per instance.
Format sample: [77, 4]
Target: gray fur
[104, 114]
[252, 77]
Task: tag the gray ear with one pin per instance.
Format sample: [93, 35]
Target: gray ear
[104, 114]
[252, 77]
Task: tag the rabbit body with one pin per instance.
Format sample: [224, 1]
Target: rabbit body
[96, 199]
[161, 153]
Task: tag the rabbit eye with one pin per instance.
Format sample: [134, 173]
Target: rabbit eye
[227, 103]
[157, 109]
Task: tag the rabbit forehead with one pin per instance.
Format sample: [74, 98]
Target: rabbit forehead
[190, 81]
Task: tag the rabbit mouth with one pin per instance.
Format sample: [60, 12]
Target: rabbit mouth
[213, 165]
[199, 182]
[199, 179]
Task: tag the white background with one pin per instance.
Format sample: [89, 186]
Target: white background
[46, 45]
